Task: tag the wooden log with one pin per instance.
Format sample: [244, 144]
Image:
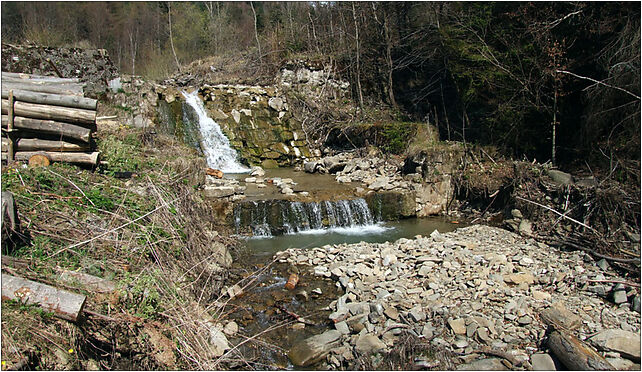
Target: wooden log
[13, 261]
[63, 304]
[15, 75]
[50, 127]
[36, 144]
[39, 160]
[57, 113]
[52, 99]
[91, 282]
[55, 89]
[90, 158]
[11, 118]
[576, 355]
[47, 83]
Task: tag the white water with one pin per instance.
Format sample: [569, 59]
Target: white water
[216, 147]
[378, 228]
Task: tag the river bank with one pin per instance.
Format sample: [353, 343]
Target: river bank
[462, 291]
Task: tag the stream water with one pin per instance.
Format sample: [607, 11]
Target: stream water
[373, 233]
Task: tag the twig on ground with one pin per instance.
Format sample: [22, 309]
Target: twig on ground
[74, 185]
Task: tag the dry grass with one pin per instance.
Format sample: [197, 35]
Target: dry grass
[152, 234]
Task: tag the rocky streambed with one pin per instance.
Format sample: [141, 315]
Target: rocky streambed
[474, 292]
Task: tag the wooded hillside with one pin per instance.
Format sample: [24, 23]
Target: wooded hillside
[554, 81]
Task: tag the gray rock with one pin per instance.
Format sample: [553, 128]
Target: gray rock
[516, 213]
[313, 349]
[621, 364]
[619, 297]
[333, 165]
[560, 177]
[391, 312]
[342, 327]
[217, 191]
[369, 344]
[379, 183]
[417, 314]
[542, 362]
[309, 166]
[490, 364]
[526, 261]
[276, 103]
[635, 304]
[525, 227]
[603, 264]
[231, 328]
[257, 172]
[460, 342]
[624, 342]
[524, 320]
[458, 326]
[218, 341]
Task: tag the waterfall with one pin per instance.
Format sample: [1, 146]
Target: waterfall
[276, 217]
[216, 147]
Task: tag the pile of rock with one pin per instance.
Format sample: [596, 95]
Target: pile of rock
[431, 194]
[373, 171]
[478, 287]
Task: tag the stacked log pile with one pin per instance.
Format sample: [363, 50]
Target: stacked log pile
[48, 117]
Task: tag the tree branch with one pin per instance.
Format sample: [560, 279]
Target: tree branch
[599, 82]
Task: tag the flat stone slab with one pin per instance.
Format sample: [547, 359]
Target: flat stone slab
[624, 342]
[313, 349]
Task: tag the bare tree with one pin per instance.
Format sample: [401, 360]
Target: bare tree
[256, 31]
[171, 37]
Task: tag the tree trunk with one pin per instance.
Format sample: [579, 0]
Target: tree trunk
[386, 31]
[49, 127]
[356, 35]
[66, 114]
[52, 99]
[35, 144]
[63, 304]
[63, 89]
[256, 31]
[69, 157]
[171, 38]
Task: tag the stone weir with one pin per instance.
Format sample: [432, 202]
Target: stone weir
[261, 204]
[256, 120]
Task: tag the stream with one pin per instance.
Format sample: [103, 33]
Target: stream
[324, 212]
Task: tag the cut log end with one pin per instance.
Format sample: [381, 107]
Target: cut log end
[39, 160]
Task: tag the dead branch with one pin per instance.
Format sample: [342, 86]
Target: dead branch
[558, 213]
[599, 82]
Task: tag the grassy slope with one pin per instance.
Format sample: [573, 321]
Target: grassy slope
[155, 239]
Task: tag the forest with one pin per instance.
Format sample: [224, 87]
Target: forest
[556, 81]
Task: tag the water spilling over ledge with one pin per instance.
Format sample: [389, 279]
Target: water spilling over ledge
[216, 147]
[278, 217]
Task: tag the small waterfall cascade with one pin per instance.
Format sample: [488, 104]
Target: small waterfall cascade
[277, 217]
[216, 147]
